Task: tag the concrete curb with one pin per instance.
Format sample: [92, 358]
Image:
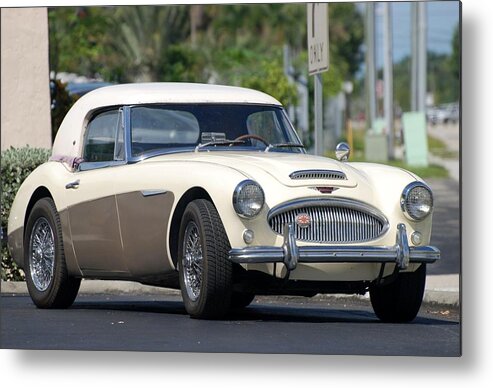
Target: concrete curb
[440, 289]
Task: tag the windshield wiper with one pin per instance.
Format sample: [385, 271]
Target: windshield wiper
[283, 145]
[222, 142]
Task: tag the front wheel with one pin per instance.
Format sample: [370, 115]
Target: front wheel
[400, 300]
[205, 272]
[47, 278]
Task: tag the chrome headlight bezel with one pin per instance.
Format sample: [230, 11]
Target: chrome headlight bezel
[405, 196]
[237, 199]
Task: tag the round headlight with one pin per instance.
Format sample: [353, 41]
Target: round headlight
[417, 201]
[248, 199]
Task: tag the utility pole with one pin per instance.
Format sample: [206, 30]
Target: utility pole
[319, 140]
[421, 76]
[418, 56]
[388, 78]
[414, 56]
[371, 109]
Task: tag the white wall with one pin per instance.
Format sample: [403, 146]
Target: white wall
[25, 95]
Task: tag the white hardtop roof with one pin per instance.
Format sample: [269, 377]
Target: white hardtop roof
[68, 141]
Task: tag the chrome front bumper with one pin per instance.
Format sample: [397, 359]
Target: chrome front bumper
[290, 254]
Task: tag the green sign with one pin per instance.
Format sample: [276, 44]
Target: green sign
[415, 141]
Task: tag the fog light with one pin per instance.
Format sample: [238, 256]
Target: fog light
[248, 236]
[416, 238]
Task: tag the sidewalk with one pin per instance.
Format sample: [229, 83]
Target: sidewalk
[440, 289]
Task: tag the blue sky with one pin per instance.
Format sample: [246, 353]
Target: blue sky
[442, 17]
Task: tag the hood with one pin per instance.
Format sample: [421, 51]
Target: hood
[280, 166]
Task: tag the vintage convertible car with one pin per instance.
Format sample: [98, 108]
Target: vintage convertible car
[209, 189]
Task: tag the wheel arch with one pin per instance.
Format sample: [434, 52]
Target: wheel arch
[39, 193]
[190, 195]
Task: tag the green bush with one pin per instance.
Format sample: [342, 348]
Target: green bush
[17, 164]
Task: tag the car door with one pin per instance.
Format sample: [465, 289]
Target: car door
[93, 212]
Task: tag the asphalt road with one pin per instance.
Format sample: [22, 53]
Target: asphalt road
[446, 226]
[269, 325]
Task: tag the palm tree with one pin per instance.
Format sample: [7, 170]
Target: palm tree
[146, 33]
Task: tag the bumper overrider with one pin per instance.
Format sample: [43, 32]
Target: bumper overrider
[290, 254]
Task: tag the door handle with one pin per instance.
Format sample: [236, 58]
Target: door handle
[73, 185]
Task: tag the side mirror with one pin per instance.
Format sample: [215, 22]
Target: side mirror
[342, 151]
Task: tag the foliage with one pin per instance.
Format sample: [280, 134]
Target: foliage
[78, 38]
[456, 53]
[269, 78]
[145, 34]
[17, 164]
[183, 64]
[61, 103]
[346, 32]
[150, 43]
[440, 81]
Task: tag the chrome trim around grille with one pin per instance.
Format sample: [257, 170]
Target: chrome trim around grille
[318, 174]
[339, 220]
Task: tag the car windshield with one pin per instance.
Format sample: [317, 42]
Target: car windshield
[156, 128]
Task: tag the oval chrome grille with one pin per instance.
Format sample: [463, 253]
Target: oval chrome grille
[318, 174]
[331, 221]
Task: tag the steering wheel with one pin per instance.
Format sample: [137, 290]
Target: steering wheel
[251, 136]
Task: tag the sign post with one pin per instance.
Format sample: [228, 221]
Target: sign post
[318, 61]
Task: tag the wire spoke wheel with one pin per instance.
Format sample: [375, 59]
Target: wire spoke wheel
[42, 254]
[48, 280]
[192, 261]
[205, 272]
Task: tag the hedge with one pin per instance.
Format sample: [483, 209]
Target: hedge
[16, 165]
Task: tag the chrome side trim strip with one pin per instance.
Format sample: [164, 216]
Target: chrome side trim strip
[150, 193]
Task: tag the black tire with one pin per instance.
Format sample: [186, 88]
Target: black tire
[213, 298]
[61, 289]
[241, 300]
[400, 300]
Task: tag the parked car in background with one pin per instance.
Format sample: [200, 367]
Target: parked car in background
[80, 88]
[443, 114]
[208, 189]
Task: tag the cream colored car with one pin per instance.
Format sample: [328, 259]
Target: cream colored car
[208, 189]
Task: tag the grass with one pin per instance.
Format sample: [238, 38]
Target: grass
[436, 146]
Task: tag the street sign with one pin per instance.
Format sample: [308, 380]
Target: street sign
[318, 37]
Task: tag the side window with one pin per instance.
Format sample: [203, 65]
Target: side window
[100, 137]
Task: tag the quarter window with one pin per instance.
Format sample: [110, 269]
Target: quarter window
[100, 137]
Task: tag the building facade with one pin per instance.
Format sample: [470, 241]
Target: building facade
[25, 84]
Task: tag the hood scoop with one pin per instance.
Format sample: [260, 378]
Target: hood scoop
[318, 174]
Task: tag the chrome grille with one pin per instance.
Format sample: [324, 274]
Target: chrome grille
[332, 221]
[318, 174]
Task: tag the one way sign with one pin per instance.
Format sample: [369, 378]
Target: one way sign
[318, 37]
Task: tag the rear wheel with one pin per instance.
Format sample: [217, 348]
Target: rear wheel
[47, 278]
[205, 272]
[400, 300]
